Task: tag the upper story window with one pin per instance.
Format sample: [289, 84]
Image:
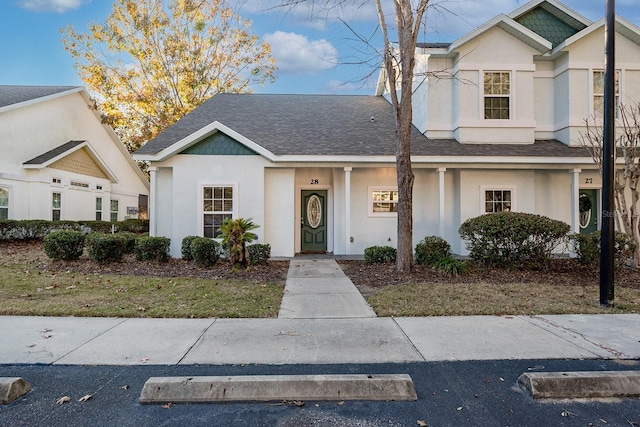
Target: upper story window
[56, 181]
[497, 95]
[217, 205]
[4, 203]
[383, 201]
[598, 93]
[98, 208]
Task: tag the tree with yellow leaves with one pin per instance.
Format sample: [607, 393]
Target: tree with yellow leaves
[151, 63]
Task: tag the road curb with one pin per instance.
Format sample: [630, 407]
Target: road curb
[562, 385]
[12, 388]
[265, 388]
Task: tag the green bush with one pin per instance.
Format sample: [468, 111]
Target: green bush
[379, 255]
[64, 244]
[152, 248]
[106, 247]
[513, 238]
[186, 247]
[30, 229]
[235, 234]
[587, 247]
[130, 241]
[205, 252]
[451, 266]
[259, 253]
[431, 250]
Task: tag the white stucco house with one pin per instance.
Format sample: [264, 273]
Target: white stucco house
[59, 162]
[317, 172]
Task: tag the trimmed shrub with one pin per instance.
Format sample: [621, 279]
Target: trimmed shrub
[451, 266]
[259, 253]
[431, 250]
[186, 247]
[152, 248]
[64, 244]
[106, 247]
[29, 229]
[587, 247]
[513, 238]
[379, 255]
[205, 252]
[129, 241]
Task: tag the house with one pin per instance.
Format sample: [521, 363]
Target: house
[59, 162]
[317, 172]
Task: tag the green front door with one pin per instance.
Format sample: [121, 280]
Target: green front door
[314, 221]
[588, 203]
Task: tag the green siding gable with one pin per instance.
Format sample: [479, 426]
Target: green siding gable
[547, 25]
[219, 144]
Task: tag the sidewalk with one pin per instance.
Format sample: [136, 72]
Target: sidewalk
[316, 326]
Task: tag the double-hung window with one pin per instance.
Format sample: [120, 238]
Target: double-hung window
[98, 208]
[497, 95]
[498, 200]
[598, 93]
[114, 211]
[217, 205]
[56, 206]
[383, 201]
[4, 203]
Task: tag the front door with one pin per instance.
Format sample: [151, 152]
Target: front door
[588, 202]
[314, 221]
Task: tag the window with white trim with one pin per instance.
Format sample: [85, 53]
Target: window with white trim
[98, 208]
[217, 205]
[498, 200]
[56, 206]
[383, 201]
[598, 93]
[4, 203]
[497, 95]
[113, 208]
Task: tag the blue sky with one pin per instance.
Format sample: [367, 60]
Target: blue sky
[315, 53]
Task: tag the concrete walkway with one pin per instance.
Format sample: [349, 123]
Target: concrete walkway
[318, 289]
[322, 321]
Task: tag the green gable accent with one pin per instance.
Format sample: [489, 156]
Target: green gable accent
[219, 144]
[547, 25]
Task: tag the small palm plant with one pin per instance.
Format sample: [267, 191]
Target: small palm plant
[235, 234]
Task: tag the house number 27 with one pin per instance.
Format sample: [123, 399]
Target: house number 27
[314, 181]
[588, 180]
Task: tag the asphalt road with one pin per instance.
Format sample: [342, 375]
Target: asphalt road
[477, 393]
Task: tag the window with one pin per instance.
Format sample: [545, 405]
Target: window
[114, 211]
[383, 201]
[4, 203]
[98, 208]
[598, 93]
[217, 205]
[56, 181]
[79, 184]
[497, 201]
[56, 206]
[497, 93]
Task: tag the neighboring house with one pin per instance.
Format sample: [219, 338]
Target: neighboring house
[317, 172]
[59, 162]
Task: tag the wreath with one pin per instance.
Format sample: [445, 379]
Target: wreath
[585, 203]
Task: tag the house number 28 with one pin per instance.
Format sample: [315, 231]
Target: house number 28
[314, 181]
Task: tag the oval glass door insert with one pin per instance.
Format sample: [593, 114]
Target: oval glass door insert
[314, 211]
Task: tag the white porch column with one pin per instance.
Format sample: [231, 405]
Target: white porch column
[575, 204]
[347, 210]
[153, 230]
[441, 215]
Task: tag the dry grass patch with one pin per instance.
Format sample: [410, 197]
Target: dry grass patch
[464, 299]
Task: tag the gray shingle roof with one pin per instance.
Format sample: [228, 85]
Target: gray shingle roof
[51, 154]
[329, 125]
[10, 94]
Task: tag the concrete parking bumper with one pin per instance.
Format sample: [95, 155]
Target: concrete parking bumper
[267, 388]
[576, 385]
[12, 388]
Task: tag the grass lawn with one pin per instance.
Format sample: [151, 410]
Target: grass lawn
[27, 291]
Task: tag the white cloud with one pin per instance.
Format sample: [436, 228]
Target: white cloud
[59, 6]
[296, 54]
